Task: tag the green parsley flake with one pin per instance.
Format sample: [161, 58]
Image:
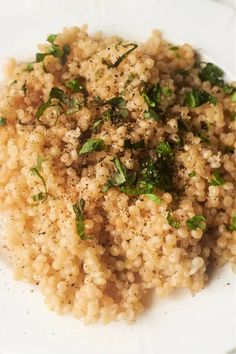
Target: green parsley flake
[122, 57]
[3, 121]
[36, 170]
[197, 221]
[196, 98]
[192, 174]
[79, 218]
[232, 226]
[216, 179]
[154, 198]
[172, 221]
[92, 145]
[212, 73]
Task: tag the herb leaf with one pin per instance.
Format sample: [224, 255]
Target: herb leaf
[203, 138]
[196, 98]
[172, 221]
[122, 57]
[232, 226]
[151, 114]
[213, 74]
[138, 145]
[36, 171]
[51, 38]
[41, 109]
[164, 150]
[75, 86]
[29, 67]
[197, 221]
[154, 198]
[119, 177]
[3, 121]
[192, 174]
[79, 218]
[216, 179]
[92, 145]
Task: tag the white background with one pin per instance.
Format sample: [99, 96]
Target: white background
[182, 324]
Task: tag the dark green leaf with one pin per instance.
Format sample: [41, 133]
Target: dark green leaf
[59, 94]
[196, 98]
[39, 197]
[216, 179]
[24, 88]
[96, 125]
[232, 226]
[41, 109]
[172, 221]
[151, 114]
[152, 95]
[154, 198]
[174, 48]
[131, 77]
[228, 150]
[233, 97]
[119, 177]
[138, 145]
[203, 138]
[3, 121]
[164, 150]
[197, 221]
[213, 74]
[51, 38]
[192, 174]
[29, 67]
[75, 86]
[79, 218]
[228, 90]
[92, 145]
[40, 57]
[122, 57]
[36, 171]
[166, 91]
[74, 105]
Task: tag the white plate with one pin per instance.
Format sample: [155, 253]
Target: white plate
[181, 323]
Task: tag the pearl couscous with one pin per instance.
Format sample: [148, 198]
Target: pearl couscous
[117, 172]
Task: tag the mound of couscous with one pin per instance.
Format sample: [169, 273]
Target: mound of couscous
[117, 171]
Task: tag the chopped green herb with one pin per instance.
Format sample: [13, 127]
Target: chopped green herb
[92, 145]
[75, 86]
[154, 198]
[203, 138]
[197, 221]
[216, 179]
[41, 196]
[152, 95]
[232, 226]
[182, 72]
[232, 116]
[192, 174]
[24, 88]
[151, 114]
[38, 197]
[140, 188]
[41, 109]
[118, 111]
[164, 150]
[51, 38]
[174, 48]
[229, 149]
[166, 91]
[96, 125]
[122, 57]
[119, 177]
[233, 97]
[55, 50]
[79, 218]
[172, 221]
[196, 98]
[212, 73]
[58, 94]
[138, 145]
[228, 90]
[131, 77]
[29, 67]
[3, 121]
